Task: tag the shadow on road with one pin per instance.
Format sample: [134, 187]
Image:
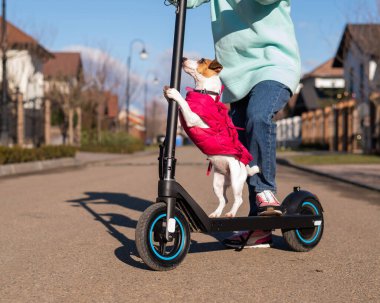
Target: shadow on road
[109, 220]
[127, 251]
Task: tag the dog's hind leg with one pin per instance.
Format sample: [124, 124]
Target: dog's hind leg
[238, 174]
[219, 184]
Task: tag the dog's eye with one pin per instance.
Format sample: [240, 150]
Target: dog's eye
[202, 60]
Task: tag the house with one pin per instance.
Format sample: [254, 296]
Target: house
[25, 59]
[63, 84]
[136, 123]
[100, 111]
[109, 111]
[359, 55]
[319, 88]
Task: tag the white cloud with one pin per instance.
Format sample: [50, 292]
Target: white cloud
[160, 69]
[93, 58]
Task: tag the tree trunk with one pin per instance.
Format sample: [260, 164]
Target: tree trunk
[78, 127]
[47, 121]
[71, 126]
[20, 120]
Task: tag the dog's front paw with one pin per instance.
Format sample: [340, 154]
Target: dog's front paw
[172, 93]
[215, 214]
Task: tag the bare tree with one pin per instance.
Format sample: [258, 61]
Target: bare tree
[156, 112]
[100, 77]
[65, 94]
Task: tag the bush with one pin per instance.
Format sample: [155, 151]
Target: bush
[18, 154]
[118, 142]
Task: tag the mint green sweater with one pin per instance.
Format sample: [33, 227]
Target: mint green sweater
[254, 41]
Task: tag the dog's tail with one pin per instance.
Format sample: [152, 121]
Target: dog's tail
[252, 170]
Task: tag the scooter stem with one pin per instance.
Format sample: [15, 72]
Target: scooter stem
[175, 82]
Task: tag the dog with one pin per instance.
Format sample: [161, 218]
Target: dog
[228, 169]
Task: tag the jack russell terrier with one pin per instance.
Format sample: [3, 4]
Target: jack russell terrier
[207, 123]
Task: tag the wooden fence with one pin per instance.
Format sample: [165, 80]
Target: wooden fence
[335, 127]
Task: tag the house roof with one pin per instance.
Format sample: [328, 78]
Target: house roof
[310, 97]
[17, 39]
[64, 64]
[326, 70]
[365, 36]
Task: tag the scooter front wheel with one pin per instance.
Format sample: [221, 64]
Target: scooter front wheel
[152, 246]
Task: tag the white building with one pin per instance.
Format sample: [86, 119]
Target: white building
[24, 65]
[359, 55]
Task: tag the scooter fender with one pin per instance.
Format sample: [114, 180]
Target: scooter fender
[292, 202]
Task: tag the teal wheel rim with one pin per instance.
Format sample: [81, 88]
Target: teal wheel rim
[315, 237]
[151, 240]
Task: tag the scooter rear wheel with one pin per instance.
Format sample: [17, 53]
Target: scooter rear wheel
[305, 239]
[154, 250]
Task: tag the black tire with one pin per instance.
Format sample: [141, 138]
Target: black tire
[303, 240]
[150, 238]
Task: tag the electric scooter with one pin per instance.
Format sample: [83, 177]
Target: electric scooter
[163, 230]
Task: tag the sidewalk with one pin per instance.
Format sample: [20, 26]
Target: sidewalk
[81, 159]
[363, 175]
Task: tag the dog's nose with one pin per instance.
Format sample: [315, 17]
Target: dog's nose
[184, 59]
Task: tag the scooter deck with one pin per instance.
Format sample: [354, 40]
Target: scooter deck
[264, 223]
[199, 221]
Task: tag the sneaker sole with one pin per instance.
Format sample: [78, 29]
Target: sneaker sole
[270, 212]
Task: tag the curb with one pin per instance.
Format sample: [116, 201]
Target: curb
[35, 167]
[286, 162]
[26, 168]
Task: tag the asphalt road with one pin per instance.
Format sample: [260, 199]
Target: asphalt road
[68, 236]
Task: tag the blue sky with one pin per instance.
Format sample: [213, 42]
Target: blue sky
[115, 23]
[318, 23]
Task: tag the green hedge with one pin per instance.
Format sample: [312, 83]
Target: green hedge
[17, 154]
[111, 142]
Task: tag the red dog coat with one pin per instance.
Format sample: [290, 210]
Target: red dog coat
[221, 138]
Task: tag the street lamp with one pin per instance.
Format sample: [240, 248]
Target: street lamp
[143, 56]
[155, 81]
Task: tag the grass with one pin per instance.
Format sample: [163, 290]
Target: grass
[334, 159]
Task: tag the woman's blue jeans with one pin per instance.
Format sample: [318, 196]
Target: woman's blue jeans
[255, 114]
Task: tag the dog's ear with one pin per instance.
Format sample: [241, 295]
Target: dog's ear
[215, 66]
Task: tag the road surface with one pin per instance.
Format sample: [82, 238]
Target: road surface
[68, 236]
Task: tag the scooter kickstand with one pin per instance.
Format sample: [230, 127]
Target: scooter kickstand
[245, 241]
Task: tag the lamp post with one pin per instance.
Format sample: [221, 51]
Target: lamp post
[4, 101]
[143, 56]
[155, 81]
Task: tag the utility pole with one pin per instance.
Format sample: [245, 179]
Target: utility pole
[143, 56]
[4, 101]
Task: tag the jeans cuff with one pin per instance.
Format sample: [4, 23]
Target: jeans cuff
[261, 189]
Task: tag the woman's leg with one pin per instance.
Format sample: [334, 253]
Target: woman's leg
[255, 114]
[265, 100]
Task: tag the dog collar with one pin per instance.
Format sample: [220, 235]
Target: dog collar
[205, 91]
